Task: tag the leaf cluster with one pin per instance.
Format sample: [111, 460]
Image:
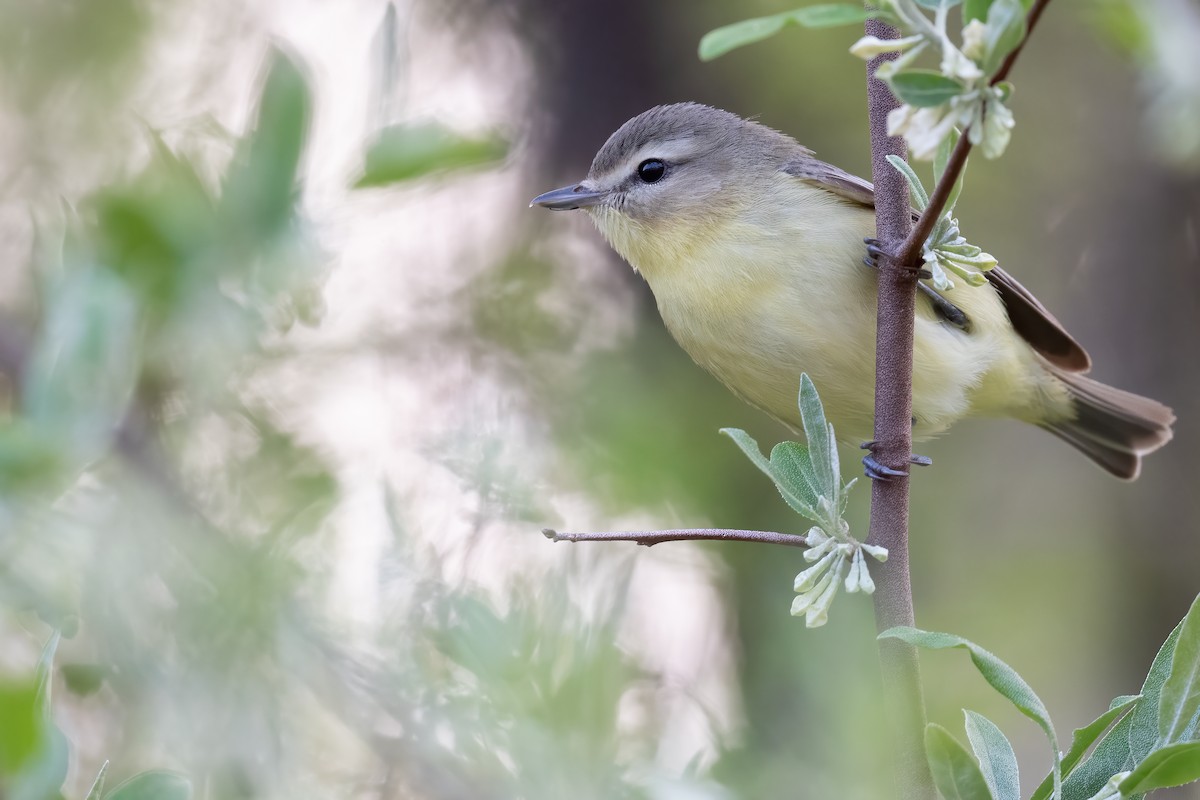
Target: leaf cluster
[1141, 743]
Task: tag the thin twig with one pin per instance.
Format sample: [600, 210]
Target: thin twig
[651, 538]
[908, 252]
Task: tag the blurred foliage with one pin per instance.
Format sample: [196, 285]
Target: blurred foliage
[184, 534]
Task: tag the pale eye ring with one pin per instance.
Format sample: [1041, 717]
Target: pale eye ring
[651, 170]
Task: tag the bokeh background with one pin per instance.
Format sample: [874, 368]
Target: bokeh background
[284, 412]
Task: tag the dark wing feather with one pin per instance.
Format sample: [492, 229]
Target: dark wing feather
[1029, 317]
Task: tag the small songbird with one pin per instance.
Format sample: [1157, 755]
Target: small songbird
[753, 249]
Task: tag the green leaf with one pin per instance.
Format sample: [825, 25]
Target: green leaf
[792, 464]
[1001, 676]
[940, 160]
[916, 191]
[83, 369]
[975, 9]
[822, 447]
[23, 726]
[1082, 739]
[801, 501]
[1173, 765]
[997, 761]
[1144, 721]
[924, 88]
[154, 784]
[1005, 30]
[45, 674]
[1180, 699]
[97, 790]
[1110, 757]
[405, 152]
[955, 772]
[718, 42]
[260, 191]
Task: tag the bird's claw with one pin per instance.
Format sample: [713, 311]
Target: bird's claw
[875, 251]
[879, 472]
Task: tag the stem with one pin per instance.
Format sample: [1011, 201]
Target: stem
[903, 695]
[903, 698]
[651, 538]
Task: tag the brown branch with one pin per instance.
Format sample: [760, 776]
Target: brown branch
[904, 701]
[651, 538]
[903, 695]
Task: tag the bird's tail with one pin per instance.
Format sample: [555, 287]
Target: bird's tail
[1112, 427]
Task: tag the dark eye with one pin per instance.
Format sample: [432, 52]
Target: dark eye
[651, 170]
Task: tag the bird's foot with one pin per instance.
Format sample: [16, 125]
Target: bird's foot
[875, 251]
[878, 472]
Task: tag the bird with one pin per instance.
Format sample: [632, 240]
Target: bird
[753, 250]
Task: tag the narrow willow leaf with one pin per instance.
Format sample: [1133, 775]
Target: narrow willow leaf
[1003, 678]
[1180, 700]
[1173, 765]
[155, 784]
[955, 773]
[933, 4]
[975, 9]
[791, 461]
[1143, 730]
[718, 42]
[1005, 30]
[260, 192]
[924, 88]
[1082, 739]
[916, 191]
[797, 501]
[940, 160]
[820, 439]
[1089, 776]
[406, 152]
[997, 761]
[45, 674]
[97, 790]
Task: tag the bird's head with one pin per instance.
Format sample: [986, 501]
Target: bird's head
[669, 175]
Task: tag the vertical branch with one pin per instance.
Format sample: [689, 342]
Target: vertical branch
[893, 433]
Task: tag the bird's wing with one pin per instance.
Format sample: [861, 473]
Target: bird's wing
[1029, 317]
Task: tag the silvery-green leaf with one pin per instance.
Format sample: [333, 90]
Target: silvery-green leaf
[792, 462]
[82, 371]
[1082, 739]
[920, 199]
[963, 250]
[1173, 765]
[1003, 678]
[1110, 756]
[154, 784]
[1005, 30]
[955, 773]
[975, 9]
[798, 501]
[821, 445]
[1143, 731]
[967, 272]
[997, 761]
[941, 281]
[97, 790]
[406, 152]
[940, 161]
[718, 42]
[1180, 699]
[924, 88]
